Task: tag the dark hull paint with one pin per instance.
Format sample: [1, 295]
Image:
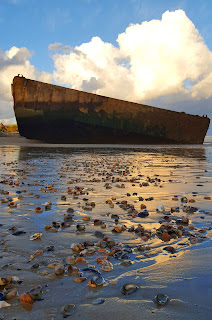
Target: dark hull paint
[67, 131]
[59, 115]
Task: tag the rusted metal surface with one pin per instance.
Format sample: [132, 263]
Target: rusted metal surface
[56, 114]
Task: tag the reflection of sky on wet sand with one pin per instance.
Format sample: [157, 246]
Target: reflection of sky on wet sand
[179, 168]
[8, 153]
[182, 170]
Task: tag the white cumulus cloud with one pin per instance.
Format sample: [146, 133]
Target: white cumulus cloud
[12, 62]
[166, 57]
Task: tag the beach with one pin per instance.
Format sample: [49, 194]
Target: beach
[147, 210]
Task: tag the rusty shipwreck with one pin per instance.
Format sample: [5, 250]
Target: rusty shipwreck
[60, 115]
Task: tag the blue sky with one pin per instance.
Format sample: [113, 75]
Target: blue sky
[35, 24]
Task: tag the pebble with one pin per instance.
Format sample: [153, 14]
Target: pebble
[100, 205]
[98, 301]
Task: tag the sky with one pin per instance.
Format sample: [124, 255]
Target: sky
[156, 52]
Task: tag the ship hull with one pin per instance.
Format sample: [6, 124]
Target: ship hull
[68, 131]
[60, 115]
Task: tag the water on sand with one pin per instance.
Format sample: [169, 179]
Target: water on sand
[127, 185]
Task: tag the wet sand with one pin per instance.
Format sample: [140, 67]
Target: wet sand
[160, 175]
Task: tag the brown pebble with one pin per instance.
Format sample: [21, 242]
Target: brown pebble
[59, 269]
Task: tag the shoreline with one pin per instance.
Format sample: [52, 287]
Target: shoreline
[15, 139]
[146, 177]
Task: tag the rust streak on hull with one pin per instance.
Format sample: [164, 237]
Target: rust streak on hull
[61, 115]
